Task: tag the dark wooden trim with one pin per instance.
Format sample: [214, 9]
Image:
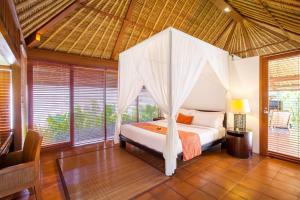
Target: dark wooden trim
[55, 147]
[72, 129]
[284, 157]
[105, 126]
[70, 59]
[263, 103]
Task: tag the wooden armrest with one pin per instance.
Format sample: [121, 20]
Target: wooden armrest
[19, 167]
[11, 159]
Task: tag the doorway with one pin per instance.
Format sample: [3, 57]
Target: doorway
[279, 107]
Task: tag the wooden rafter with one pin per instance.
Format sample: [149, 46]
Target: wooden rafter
[105, 32]
[124, 26]
[201, 14]
[247, 39]
[263, 46]
[159, 16]
[111, 35]
[97, 31]
[148, 17]
[31, 39]
[221, 4]
[265, 7]
[221, 34]
[228, 40]
[180, 12]
[134, 27]
[275, 31]
[74, 29]
[196, 34]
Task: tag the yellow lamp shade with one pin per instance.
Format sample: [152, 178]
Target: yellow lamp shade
[240, 106]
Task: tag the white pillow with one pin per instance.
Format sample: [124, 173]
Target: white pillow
[185, 111]
[211, 119]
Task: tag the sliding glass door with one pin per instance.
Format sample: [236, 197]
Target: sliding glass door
[89, 102]
[282, 110]
[50, 103]
[73, 105]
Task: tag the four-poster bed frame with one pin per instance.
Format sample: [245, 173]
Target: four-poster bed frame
[124, 140]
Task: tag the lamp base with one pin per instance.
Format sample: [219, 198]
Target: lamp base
[240, 122]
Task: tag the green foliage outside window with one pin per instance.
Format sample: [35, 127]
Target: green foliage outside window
[59, 124]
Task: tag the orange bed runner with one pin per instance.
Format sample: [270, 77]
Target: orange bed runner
[191, 146]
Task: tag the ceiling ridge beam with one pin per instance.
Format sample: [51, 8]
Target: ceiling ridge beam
[124, 26]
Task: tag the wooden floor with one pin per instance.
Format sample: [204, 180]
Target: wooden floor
[215, 175]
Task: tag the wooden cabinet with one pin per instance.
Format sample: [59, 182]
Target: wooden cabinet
[239, 143]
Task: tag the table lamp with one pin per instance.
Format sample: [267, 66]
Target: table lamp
[239, 107]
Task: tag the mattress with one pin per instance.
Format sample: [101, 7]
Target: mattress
[156, 141]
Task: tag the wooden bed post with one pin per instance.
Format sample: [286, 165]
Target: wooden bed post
[122, 143]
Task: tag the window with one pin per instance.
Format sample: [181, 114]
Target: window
[142, 109]
[147, 107]
[72, 104]
[5, 100]
[75, 105]
[51, 103]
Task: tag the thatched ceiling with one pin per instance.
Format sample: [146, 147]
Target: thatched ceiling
[103, 28]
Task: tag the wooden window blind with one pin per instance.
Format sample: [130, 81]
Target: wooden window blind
[51, 103]
[5, 100]
[147, 107]
[111, 101]
[284, 109]
[89, 102]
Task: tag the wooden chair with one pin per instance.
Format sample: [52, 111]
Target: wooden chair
[21, 169]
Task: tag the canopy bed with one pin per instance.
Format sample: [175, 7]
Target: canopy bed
[168, 64]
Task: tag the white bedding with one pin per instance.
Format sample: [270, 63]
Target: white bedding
[156, 141]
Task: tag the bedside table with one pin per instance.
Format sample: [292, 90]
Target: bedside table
[158, 118]
[239, 143]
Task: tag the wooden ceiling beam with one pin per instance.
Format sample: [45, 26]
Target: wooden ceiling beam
[124, 26]
[31, 39]
[263, 46]
[221, 4]
[69, 58]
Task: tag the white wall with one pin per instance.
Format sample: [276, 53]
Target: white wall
[244, 83]
[208, 93]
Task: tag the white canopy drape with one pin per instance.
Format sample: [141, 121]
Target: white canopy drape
[168, 64]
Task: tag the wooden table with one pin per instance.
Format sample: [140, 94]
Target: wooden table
[239, 143]
[6, 138]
